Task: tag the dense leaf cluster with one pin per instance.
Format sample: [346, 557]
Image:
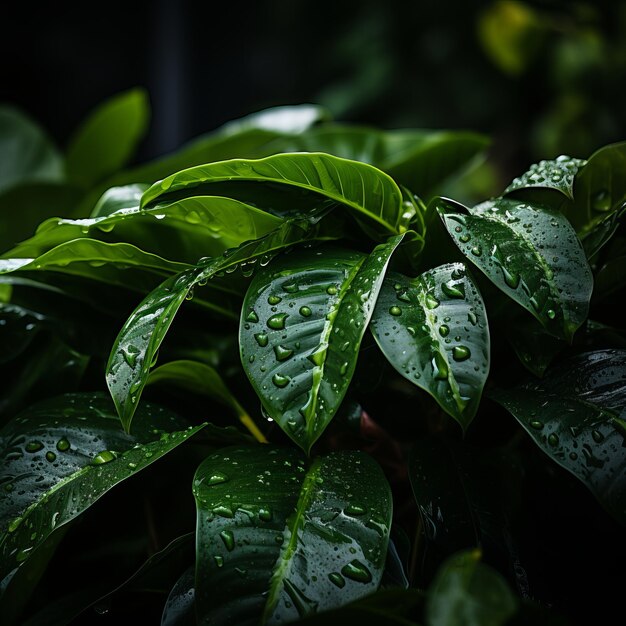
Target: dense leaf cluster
[323, 263]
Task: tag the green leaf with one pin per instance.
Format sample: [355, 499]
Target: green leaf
[18, 327]
[557, 174]
[118, 198]
[137, 344]
[301, 327]
[62, 455]
[184, 230]
[111, 263]
[26, 152]
[107, 139]
[433, 329]
[369, 194]
[419, 159]
[531, 253]
[179, 608]
[467, 592]
[600, 188]
[576, 414]
[281, 540]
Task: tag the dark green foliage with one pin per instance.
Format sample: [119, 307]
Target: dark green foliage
[250, 266]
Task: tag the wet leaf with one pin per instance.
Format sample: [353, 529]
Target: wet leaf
[531, 253]
[301, 327]
[369, 194]
[137, 344]
[62, 455]
[576, 415]
[557, 174]
[433, 329]
[281, 540]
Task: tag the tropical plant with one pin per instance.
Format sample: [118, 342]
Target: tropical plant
[376, 333]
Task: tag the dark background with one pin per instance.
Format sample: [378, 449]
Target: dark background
[393, 63]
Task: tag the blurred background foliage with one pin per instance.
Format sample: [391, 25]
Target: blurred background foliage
[542, 78]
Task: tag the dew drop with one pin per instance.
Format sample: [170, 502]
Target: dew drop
[280, 381]
[355, 570]
[332, 290]
[274, 300]
[431, 301]
[261, 339]
[51, 456]
[355, 510]
[453, 291]
[553, 439]
[476, 251]
[217, 479]
[252, 317]
[395, 310]
[461, 353]
[228, 539]
[33, 446]
[219, 560]
[265, 515]
[305, 311]
[223, 511]
[290, 288]
[510, 278]
[598, 437]
[282, 353]
[464, 238]
[536, 424]
[551, 313]
[277, 322]
[106, 456]
[337, 579]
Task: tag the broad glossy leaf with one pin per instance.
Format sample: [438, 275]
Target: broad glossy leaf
[26, 152]
[557, 174]
[433, 329]
[119, 264]
[529, 252]
[576, 414]
[137, 344]
[419, 159]
[117, 198]
[62, 455]
[281, 540]
[467, 592]
[183, 230]
[300, 332]
[26, 205]
[369, 194]
[18, 327]
[108, 137]
[600, 188]
[596, 235]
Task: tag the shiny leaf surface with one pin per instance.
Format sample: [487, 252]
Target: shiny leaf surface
[576, 414]
[558, 174]
[369, 194]
[281, 540]
[301, 327]
[137, 344]
[433, 329]
[529, 252]
[61, 456]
